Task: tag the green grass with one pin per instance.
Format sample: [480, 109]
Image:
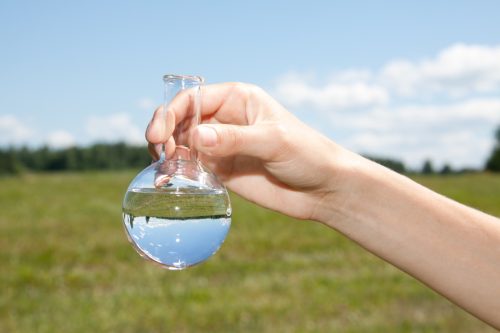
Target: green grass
[66, 266]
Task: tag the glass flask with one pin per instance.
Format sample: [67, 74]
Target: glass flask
[176, 213]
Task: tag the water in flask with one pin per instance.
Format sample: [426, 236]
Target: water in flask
[176, 229]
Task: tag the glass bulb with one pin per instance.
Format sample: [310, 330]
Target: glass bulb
[176, 212]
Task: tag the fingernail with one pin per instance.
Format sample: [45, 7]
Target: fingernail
[207, 136]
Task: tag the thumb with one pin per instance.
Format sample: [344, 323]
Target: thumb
[223, 140]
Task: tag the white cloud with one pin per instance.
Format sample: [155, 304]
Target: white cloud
[458, 70]
[458, 134]
[60, 139]
[462, 148]
[444, 107]
[465, 113]
[346, 90]
[13, 131]
[113, 128]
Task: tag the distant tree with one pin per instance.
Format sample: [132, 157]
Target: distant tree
[446, 170]
[390, 163]
[427, 167]
[73, 159]
[9, 163]
[493, 162]
[26, 157]
[41, 159]
[56, 160]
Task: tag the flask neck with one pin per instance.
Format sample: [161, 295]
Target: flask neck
[177, 173]
[190, 87]
[183, 153]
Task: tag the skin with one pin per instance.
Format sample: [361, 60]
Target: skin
[263, 153]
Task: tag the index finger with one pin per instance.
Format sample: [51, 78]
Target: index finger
[226, 102]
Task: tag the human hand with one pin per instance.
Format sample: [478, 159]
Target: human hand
[257, 148]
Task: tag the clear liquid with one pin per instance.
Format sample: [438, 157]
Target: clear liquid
[176, 229]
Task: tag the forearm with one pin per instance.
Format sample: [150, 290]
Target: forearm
[452, 248]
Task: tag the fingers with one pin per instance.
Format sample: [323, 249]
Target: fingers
[225, 103]
[161, 126]
[265, 142]
[156, 149]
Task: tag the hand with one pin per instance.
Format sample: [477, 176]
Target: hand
[257, 148]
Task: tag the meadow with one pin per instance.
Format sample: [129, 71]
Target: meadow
[66, 266]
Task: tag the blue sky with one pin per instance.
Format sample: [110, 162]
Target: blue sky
[408, 80]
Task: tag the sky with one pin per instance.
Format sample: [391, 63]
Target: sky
[408, 80]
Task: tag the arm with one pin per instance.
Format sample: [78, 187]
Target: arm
[267, 156]
[452, 248]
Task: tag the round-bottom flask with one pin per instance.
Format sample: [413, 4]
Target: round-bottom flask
[176, 213]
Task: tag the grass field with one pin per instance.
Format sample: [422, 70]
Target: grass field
[67, 267]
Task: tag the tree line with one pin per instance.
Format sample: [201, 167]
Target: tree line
[99, 156]
[116, 156]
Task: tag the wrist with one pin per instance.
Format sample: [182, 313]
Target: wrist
[357, 190]
[339, 196]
